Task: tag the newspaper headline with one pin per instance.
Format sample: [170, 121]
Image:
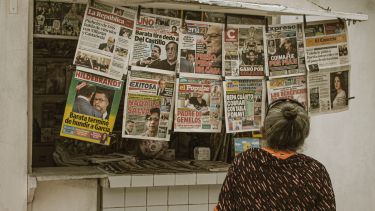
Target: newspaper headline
[292, 87]
[244, 49]
[201, 48]
[244, 101]
[148, 106]
[105, 40]
[198, 105]
[91, 108]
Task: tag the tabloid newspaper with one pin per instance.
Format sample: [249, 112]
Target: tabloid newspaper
[285, 49]
[292, 87]
[327, 61]
[155, 43]
[91, 108]
[198, 104]
[148, 107]
[105, 40]
[244, 49]
[201, 48]
[244, 101]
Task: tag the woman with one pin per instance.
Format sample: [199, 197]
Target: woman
[339, 99]
[277, 177]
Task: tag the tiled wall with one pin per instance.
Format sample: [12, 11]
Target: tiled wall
[162, 198]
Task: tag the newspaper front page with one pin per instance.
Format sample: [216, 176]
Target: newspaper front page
[198, 105]
[244, 101]
[285, 49]
[201, 48]
[292, 87]
[105, 40]
[91, 108]
[148, 107]
[244, 50]
[327, 61]
[155, 43]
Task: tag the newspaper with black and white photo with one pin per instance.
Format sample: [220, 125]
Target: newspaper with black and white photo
[148, 107]
[244, 102]
[105, 40]
[327, 61]
[285, 49]
[155, 43]
[244, 50]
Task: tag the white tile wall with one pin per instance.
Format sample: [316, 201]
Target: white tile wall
[213, 193]
[179, 208]
[178, 195]
[114, 209]
[113, 197]
[198, 207]
[206, 178]
[135, 197]
[186, 179]
[135, 209]
[198, 194]
[142, 180]
[157, 208]
[157, 196]
[164, 179]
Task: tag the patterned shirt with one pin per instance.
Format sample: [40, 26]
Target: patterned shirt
[257, 180]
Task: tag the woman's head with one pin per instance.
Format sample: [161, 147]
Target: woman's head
[286, 125]
[338, 79]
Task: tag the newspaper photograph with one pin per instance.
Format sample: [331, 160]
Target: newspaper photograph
[198, 104]
[105, 40]
[201, 48]
[244, 50]
[91, 108]
[326, 45]
[329, 90]
[155, 43]
[244, 101]
[244, 143]
[58, 18]
[148, 107]
[285, 49]
[292, 87]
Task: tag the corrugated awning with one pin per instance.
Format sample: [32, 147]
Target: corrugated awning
[251, 7]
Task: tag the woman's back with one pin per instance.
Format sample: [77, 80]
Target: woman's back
[261, 181]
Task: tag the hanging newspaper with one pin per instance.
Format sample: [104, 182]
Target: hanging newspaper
[285, 49]
[244, 50]
[198, 104]
[327, 61]
[91, 108]
[200, 50]
[155, 43]
[292, 87]
[105, 40]
[244, 101]
[148, 105]
[245, 143]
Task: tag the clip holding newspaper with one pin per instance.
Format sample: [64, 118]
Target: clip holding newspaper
[244, 102]
[244, 50]
[285, 50]
[328, 65]
[201, 48]
[155, 43]
[198, 104]
[148, 105]
[91, 108]
[105, 40]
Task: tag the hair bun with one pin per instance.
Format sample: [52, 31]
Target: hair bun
[289, 113]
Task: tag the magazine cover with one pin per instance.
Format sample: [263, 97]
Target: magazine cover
[148, 105]
[244, 101]
[198, 104]
[285, 49]
[201, 48]
[105, 40]
[58, 18]
[244, 49]
[91, 108]
[155, 43]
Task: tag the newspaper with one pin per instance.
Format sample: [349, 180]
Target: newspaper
[244, 101]
[91, 108]
[58, 18]
[245, 143]
[285, 49]
[327, 61]
[148, 105]
[244, 50]
[198, 104]
[201, 48]
[292, 87]
[105, 40]
[155, 43]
